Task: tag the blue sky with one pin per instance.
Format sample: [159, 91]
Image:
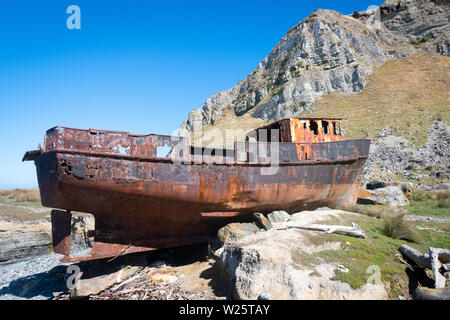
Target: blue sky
[137, 66]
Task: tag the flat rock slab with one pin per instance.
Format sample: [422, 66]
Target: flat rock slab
[95, 277]
[22, 239]
[271, 261]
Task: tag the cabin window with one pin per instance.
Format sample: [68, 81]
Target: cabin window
[269, 134]
[325, 126]
[336, 128]
[304, 125]
[314, 127]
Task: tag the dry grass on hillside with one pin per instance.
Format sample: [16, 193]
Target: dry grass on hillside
[21, 194]
[406, 95]
[443, 199]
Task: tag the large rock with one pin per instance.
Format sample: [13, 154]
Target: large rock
[278, 216]
[270, 264]
[235, 231]
[392, 195]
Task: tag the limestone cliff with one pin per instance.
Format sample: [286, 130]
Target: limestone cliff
[330, 52]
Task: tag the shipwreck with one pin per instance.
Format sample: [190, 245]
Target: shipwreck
[144, 202]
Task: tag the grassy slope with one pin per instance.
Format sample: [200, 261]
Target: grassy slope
[378, 249]
[423, 203]
[407, 95]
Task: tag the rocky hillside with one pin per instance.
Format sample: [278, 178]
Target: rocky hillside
[393, 61]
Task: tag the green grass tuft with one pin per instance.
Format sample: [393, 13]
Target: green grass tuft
[395, 226]
[443, 199]
[421, 195]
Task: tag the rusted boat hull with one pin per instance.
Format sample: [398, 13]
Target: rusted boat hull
[144, 204]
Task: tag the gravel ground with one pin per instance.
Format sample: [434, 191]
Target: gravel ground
[438, 219]
[44, 278]
[38, 278]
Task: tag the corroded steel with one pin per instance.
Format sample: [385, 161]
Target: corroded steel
[61, 229]
[144, 202]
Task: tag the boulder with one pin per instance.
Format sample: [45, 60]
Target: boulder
[278, 216]
[392, 195]
[235, 231]
[273, 265]
[406, 189]
[372, 185]
[262, 222]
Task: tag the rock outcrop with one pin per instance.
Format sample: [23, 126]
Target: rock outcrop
[274, 263]
[330, 52]
[392, 195]
[23, 239]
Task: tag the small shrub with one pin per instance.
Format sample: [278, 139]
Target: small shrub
[395, 226]
[425, 38]
[443, 199]
[278, 91]
[421, 195]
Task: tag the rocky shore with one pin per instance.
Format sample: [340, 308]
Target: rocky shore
[28, 267]
[255, 260]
